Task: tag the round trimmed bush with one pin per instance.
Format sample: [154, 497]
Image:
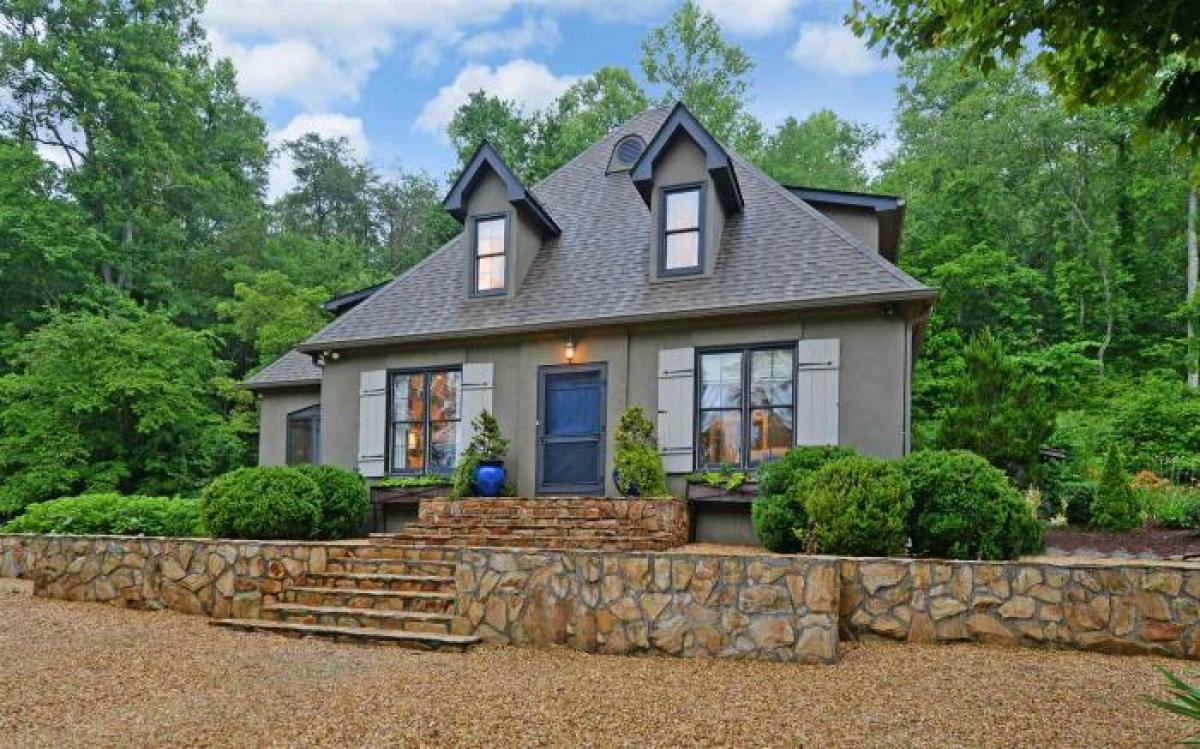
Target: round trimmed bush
[858, 506]
[344, 500]
[110, 513]
[1077, 501]
[262, 503]
[965, 508]
[778, 510]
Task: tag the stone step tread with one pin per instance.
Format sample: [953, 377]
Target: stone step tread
[390, 560]
[424, 594]
[372, 633]
[384, 577]
[301, 608]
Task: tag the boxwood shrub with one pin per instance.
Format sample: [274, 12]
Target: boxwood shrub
[778, 510]
[857, 506]
[965, 508]
[262, 503]
[344, 500]
[105, 514]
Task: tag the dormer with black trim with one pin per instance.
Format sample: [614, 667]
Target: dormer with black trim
[504, 225]
[688, 181]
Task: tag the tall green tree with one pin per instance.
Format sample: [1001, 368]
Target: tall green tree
[489, 118]
[332, 195]
[822, 150]
[271, 314]
[691, 62]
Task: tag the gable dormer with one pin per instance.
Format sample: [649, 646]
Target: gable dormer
[503, 224]
[688, 181]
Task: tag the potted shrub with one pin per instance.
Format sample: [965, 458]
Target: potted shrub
[637, 468]
[480, 470]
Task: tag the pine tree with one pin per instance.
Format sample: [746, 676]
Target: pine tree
[1115, 507]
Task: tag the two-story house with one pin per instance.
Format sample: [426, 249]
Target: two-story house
[654, 269]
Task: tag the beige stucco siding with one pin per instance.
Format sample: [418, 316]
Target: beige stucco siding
[273, 412]
[861, 223]
[873, 377]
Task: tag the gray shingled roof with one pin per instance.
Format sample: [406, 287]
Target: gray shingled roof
[778, 253]
[291, 369]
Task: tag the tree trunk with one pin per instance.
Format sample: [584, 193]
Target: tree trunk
[1193, 280]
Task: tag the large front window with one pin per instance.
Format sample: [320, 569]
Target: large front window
[680, 241]
[746, 406]
[489, 254]
[425, 407]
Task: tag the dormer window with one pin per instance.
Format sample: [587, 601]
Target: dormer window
[490, 240]
[681, 245]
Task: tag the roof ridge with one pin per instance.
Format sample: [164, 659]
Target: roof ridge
[829, 223]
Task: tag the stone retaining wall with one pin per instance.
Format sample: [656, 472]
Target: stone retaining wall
[193, 576]
[1109, 607]
[772, 607]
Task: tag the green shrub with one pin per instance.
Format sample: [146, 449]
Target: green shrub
[1077, 501]
[1115, 507]
[487, 443]
[1173, 506]
[778, 510]
[262, 503]
[637, 461]
[857, 506]
[110, 514]
[344, 500]
[1185, 701]
[965, 508]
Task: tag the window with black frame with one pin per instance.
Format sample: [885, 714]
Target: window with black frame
[746, 405]
[425, 414]
[304, 436]
[680, 247]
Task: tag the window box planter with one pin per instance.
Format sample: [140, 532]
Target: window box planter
[699, 491]
[409, 497]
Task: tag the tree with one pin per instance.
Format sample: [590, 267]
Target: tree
[331, 198]
[164, 154]
[1091, 53]
[823, 150]
[271, 314]
[1115, 507]
[500, 123]
[997, 410]
[1193, 298]
[690, 60]
[410, 222]
[112, 398]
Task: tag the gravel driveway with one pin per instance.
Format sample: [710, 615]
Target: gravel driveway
[89, 675]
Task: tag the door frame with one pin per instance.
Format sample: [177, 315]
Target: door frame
[543, 373]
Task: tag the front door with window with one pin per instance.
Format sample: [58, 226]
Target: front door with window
[571, 408]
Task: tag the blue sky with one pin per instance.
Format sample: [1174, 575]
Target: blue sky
[387, 74]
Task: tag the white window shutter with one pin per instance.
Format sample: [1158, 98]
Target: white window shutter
[372, 422]
[676, 408]
[817, 363]
[476, 398]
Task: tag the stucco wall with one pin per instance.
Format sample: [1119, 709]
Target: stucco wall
[272, 421]
[860, 222]
[873, 377]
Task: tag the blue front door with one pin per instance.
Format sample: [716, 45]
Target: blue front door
[571, 406]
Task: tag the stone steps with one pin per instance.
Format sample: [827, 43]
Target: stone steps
[405, 638]
[607, 543]
[501, 529]
[412, 621]
[432, 602]
[391, 566]
[382, 581]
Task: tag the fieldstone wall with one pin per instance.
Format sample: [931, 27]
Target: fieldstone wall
[192, 576]
[1109, 607]
[771, 607]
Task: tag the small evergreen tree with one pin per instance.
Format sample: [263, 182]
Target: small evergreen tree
[638, 464]
[487, 443]
[1115, 507]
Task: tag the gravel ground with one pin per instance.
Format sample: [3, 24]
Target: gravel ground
[89, 675]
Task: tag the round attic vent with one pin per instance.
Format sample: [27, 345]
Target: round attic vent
[626, 152]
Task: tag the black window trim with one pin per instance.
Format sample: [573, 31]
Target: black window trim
[473, 269]
[312, 415]
[389, 437]
[697, 453]
[663, 192]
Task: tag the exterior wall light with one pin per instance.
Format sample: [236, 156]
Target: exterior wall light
[569, 349]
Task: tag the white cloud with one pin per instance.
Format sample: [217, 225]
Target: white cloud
[751, 18]
[327, 125]
[531, 33]
[833, 48]
[530, 84]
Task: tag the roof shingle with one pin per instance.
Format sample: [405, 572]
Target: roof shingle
[778, 252]
[291, 369]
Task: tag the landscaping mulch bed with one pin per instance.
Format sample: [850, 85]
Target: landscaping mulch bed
[1142, 543]
[79, 674]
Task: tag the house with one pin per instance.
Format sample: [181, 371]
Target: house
[657, 269]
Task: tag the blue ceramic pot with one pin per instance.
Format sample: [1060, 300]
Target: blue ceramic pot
[633, 490]
[489, 478]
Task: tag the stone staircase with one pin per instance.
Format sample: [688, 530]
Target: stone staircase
[394, 594]
[549, 523]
